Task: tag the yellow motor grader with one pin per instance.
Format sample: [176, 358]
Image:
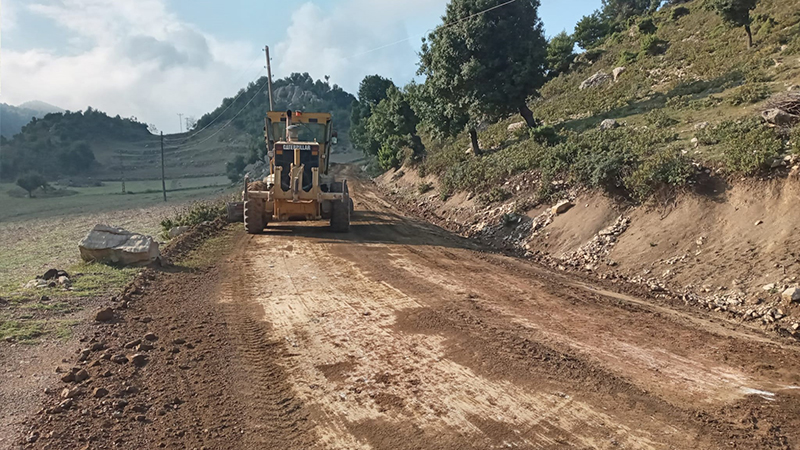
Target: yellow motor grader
[299, 185]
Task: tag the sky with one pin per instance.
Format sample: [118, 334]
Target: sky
[154, 59]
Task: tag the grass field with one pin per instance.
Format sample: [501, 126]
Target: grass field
[41, 233]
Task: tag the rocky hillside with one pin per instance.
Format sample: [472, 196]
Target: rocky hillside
[667, 157]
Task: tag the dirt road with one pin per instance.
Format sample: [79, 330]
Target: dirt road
[402, 336]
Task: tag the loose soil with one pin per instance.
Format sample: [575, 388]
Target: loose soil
[401, 335]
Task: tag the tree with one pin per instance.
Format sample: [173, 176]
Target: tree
[488, 64]
[617, 12]
[77, 158]
[31, 181]
[560, 54]
[235, 169]
[590, 30]
[370, 92]
[736, 13]
[393, 125]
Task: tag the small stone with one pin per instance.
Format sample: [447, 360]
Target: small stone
[66, 404]
[33, 437]
[150, 336]
[106, 374]
[68, 377]
[139, 359]
[84, 355]
[144, 347]
[119, 359]
[608, 124]
[97, 346]
[141, 418]
[562, 207]
[132, 343]
[71, 393]
[100, 392]
[104, 315]
[81, 375]
[791, 294]
[178, 341]
[768, 287]
[759, 222]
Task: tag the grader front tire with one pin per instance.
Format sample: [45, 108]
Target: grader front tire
[254, 216]
[340, 216]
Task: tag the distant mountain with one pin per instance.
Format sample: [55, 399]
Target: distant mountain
[13, 118]
[43, 107]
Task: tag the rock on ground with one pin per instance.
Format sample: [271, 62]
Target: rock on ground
[177, 231]
[791, 294]
[779, 117]
[562, 207]
[617, 72]
[608, 124]
[116, 245]
[595, 80]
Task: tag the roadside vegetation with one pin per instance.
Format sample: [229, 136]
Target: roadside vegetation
[677, 86]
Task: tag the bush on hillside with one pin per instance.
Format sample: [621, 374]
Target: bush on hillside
[679, 12]
[659, 119]
[750, 93]
[748, 146]
[664, 168]
[626, 57]
[652, 45]
[647, 26]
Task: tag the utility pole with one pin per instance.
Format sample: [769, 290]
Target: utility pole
[163, 180]
[180, 121]
[269, 78]
[122, 170]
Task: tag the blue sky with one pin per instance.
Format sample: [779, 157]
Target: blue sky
[153, 59]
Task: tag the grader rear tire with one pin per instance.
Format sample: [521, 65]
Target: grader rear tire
[340, 216]
[254, 216]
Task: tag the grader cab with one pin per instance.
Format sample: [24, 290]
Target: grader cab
[299, 185]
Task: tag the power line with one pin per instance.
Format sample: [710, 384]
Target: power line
[229, 122]
[447, 25]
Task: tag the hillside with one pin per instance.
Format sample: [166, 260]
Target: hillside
[91, 144]
[13, 118]
[686, 101]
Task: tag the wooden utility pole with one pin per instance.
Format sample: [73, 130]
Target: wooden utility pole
[122, 170]
[163, 180]
[180, 122]
[269, 78]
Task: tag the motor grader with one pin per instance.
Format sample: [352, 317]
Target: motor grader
[299, 185]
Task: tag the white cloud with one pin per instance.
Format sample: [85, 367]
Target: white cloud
[342, 42]
[128, 58]
[8, 15]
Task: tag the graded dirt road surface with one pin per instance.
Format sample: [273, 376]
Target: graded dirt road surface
[399, 335]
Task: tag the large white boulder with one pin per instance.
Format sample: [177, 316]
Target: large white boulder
[118, 246]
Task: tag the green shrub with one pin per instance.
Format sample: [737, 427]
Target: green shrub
[626, 58]
[659, 119]
[647, 26]
[750, 93]
[679, 12]
[652, 45]
[545, 135]
[423, 188]
[748, 146]
[194, 214]
[794, 139]
[666, 167]
[495, 195]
